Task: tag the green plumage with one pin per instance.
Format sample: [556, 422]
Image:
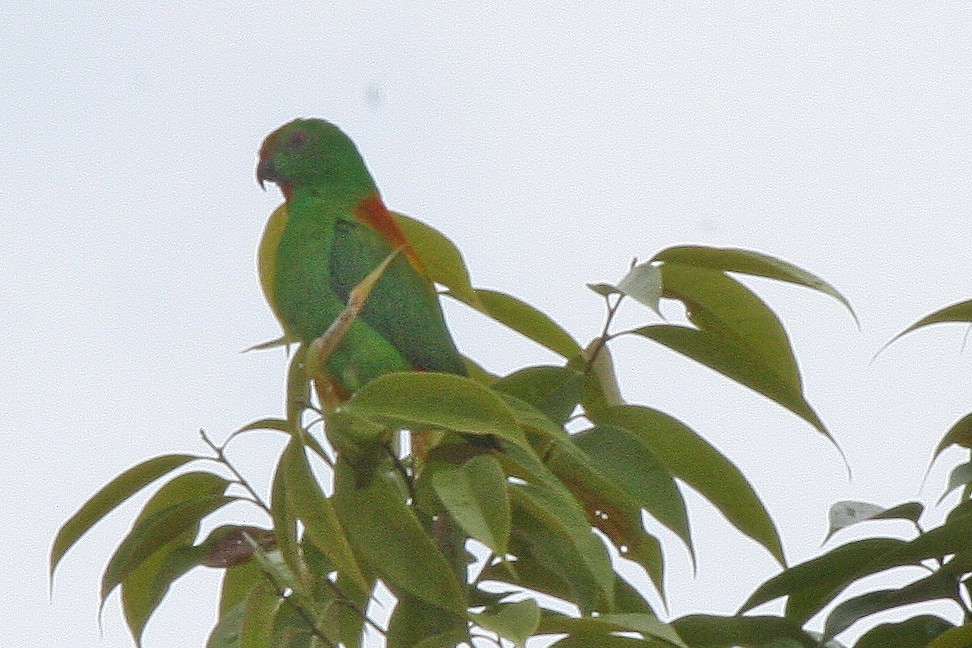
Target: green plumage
[336, 232]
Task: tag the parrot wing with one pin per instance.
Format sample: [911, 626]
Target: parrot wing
[403, 306]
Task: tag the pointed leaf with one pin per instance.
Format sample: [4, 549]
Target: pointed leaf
[525, 319]
[475, 496]
[915, 632]
[384, 531]
[609, 507]
[848, 513]
[934, 587]
[960, 476]
[739, 364]
[620, 456]
[108, 498]
[604, 289]
[710, 631]
[751, 263]
[692, 459]
[959, 434]
[824, 577]
[154, 532]
[566, 539]
[514, 621]
[320, 520]
[956, 313]
[434, 399]
[719, 304]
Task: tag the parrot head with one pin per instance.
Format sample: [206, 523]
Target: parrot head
[312, 153]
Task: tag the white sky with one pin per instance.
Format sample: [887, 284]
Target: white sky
[552, 145]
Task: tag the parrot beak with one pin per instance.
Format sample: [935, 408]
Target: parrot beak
[265, 173]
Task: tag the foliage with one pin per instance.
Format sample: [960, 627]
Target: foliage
[485, 504]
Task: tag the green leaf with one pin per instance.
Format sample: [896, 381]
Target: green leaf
[604, 289]
[959, 434]
[643, 283]
[813, 584]
[226, 633]
[614, 512]
[848, 513]
[441, 258]
[418, 400]
[751, 263]
[692, 459]
[721, 305]
[321, 524]
[934, 587]
[108, 498]
[154, 532]
[710, 631]
[237, 583]
[555, 391]
[524, 319]
[960, 637]
[915, 632]
[564, 542]
[417, 624]
[595, 638]
[514, 621]
[259, 612]
[145, 587]
[384, 531]
[475, 496]
[174, 510]
[956, 313]
[738, 363]
[620, 456]
[960, 476]
[647, 625]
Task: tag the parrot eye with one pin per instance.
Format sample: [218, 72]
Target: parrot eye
[297, 139]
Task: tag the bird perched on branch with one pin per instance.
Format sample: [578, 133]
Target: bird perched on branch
[332, 231]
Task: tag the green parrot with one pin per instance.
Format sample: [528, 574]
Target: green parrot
[330, 233]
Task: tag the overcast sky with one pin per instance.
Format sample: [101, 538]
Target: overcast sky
[552, 145]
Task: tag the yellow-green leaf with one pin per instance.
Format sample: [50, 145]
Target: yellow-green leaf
[475, 496]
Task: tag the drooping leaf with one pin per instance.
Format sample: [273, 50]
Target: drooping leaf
[383, 530]
[956, 313]
[476, 498]
[108, 498]
[933, 587]
[719, 304]
[959, 434]
[915, 632]
[524, 319]
[961, 475]
[188, 498]
[710, 631]
[514, 621]
[738, 363]
[692, 459]
[814, 583]
[320, 520]
[563, 535]
[614, 512]
[419, 400]
[751, 263]
[620, 456]
[848, 513]
[601, 387]
[440, 256]
[649, 626]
